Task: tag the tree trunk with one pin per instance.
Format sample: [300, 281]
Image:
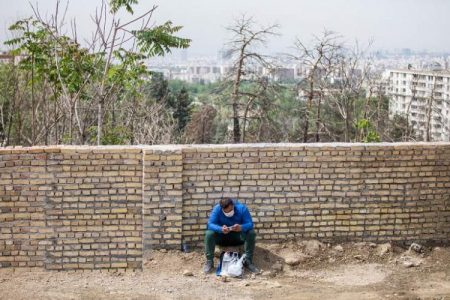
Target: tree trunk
[308, 110]
[235, 99]
[347, 122]
[55, 115]
[99, 122]
[71, 123]
[12, 108]
[244, 122]
[33, 112]
[429, 113]
[318, 121]
[45, 113]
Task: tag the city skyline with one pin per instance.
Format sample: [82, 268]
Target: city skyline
[413, 24]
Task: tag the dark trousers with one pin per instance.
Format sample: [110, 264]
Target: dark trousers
[231, 239]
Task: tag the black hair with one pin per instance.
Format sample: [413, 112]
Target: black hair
[225, 202]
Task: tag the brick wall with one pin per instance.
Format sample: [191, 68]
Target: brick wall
[90, 207]
[163, 202]
[71, 208]
[24, 187]
[95, 209]
[330, 192]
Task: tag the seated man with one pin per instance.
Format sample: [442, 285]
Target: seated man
[230, 224]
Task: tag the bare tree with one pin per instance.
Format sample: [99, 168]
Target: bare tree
[353, 70]
[200, 129]
[319, 61]
[430, 109]
[247, 61]
[413, 88]
[153, 125]
[111, 34]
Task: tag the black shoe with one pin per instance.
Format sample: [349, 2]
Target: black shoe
[252, 268]
[209, 265]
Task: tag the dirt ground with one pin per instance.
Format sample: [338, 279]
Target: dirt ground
[291, 270]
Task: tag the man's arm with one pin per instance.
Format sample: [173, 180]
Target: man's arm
[247, 222]
[213, 222]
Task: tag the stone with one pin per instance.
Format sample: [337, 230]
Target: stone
[409, 261]
[267, 274]
[383, 249]
[416, 247]
[412, 263]
[276, 285]
[408, 264]
[188, 273]
[339, 248]
[277, 267]
[292, 257]
[312, 247]
[292, 261]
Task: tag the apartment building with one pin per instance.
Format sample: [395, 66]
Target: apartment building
[423, 96]
[8, 58]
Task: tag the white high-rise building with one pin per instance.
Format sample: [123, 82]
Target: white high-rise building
[423, 96]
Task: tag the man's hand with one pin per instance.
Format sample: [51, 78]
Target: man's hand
[225, 229]
[236, 228]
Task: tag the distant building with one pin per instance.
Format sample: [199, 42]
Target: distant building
[378, 88]
[282, 74]
[197, 73]
[8, 58]
[424, 97]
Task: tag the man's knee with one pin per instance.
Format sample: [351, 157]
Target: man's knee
[251, 234]
[209, 234]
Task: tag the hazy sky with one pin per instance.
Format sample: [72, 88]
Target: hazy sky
[392, 24]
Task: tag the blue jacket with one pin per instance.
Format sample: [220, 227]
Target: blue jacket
[241, 216]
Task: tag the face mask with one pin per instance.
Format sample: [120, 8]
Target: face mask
[229, 214]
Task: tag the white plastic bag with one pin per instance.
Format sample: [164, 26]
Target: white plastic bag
[232, 265]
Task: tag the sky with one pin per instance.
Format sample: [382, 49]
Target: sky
[391, 24]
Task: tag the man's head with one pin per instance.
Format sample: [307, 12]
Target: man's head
[227, 206]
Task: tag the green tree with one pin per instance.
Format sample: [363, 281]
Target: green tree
[182, 109]
[368, 134]
[101, 74]
[158, 87]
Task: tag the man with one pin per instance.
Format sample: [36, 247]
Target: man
[230, 224]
